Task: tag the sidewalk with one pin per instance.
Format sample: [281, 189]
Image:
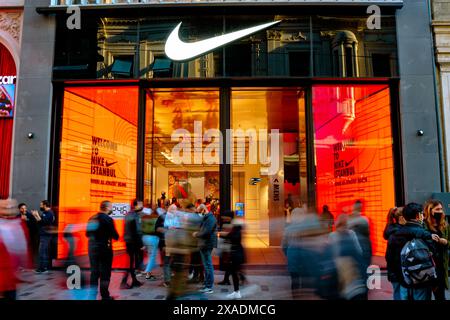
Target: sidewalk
[262, 285]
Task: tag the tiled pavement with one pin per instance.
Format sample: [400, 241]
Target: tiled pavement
[262, 285]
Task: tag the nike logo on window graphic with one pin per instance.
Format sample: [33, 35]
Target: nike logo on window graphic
[109, 164]
[178, 50]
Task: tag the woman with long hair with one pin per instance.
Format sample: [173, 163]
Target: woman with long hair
[436, 223]
[395, 220]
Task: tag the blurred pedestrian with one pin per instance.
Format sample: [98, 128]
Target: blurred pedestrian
[150, 239]
[303, 242]
[161, 233]
[33, 232]
[347, 255]
[207, 242]
[395, 220]
[327, 218]
[237, 256]
[360, 225]
[46, 221]
[196, 270]
[133, 242]
[101, 231]
[435, 222]
[13, 248]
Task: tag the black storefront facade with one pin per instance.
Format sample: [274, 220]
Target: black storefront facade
[321, 78]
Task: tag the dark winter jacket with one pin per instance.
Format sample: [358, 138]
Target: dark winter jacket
[390, 229]
[101, 231]
[234, 237]
[133, 233]
[47, 223]
[208, 235]
[411, 230]
[441, 252]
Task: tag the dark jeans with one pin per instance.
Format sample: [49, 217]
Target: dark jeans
[44, 252]
[34, 250]
[100, 259]
[239, 276]
[209, 268]
[133, 252]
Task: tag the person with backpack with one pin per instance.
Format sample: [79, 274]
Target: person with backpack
[101, 231]
[395, 220]
[409, 256]
[150, 239]
[435, 222]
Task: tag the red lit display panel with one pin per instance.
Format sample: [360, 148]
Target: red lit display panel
[98, 157]
[353, 146]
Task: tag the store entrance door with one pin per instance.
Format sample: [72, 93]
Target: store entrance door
[273, 122]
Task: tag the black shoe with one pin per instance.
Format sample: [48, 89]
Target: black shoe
[224, 283]
[38, 271]
[108, 298]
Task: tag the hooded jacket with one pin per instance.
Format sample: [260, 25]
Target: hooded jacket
[397, 240]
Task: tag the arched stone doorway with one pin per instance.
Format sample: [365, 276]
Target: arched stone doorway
[8, 75]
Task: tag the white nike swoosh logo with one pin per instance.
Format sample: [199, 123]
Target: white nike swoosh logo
[178, 50]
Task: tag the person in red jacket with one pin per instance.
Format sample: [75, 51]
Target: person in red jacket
[13, 248]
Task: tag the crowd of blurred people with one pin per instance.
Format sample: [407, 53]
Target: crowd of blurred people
[185, 235]
[326, 253]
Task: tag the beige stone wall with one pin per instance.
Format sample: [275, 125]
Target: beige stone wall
[11, 29]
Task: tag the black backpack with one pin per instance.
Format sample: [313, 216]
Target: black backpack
[418, 267]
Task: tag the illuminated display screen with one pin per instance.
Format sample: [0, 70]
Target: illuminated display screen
[98, 158]
[353, 146]
[7, 92]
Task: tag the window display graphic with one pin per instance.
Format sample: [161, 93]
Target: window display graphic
[98, 156]
[353, 145]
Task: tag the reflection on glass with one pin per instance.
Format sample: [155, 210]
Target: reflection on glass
[299, 46]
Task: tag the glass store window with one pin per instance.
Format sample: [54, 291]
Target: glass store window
[353, 152]
[269, 159]
[98, 154]
[181, 146]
